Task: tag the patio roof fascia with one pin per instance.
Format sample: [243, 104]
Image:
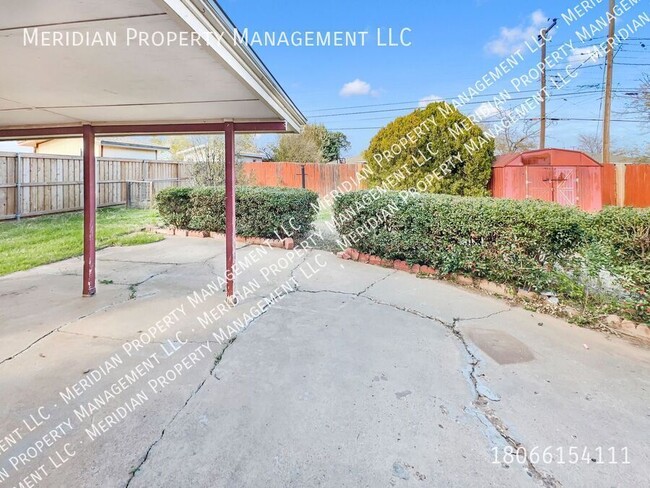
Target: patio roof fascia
[142, 129]
[207, 16]
[201, 16]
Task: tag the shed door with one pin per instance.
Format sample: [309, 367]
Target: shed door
[564, 186]
[552, 184]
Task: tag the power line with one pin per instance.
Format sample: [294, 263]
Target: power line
[553, 119]
[363, 112]
[587, 119]
[349, 107]
[406, 102]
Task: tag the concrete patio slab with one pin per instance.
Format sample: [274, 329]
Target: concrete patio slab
[441, 300]
[326, 373]
[581, 389]
[34, 304]
[59, 362]
[335, 275]
[340, 395]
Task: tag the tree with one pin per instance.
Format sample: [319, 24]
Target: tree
[591, 144]
[315, 144]
[296, 148]
[516, 137]
[208, 155]
[464, 159]
[333, 145]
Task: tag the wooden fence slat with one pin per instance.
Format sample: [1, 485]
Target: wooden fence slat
[52, 183]
[44, 184]
[321, 178]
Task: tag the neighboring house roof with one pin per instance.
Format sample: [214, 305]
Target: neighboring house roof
[33, 142]
[247, 154]
[190, 150]
[134, 145]
[193, 150]
[131, 145]
[552, 157]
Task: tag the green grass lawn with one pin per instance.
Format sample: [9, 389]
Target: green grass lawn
[41, 240]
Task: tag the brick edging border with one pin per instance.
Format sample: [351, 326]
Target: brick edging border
[286, 243]
[613, 323]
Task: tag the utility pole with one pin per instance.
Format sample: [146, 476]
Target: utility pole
[542, 131]
[607, 114]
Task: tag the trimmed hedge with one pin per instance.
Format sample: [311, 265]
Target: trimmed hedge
[502, 240]
[531, 244]
[268, 212]
[627, 231]
[174, 206]
[621, 244]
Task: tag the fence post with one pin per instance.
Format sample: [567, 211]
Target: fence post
[151, 195]
[620, 184]
[19, 187]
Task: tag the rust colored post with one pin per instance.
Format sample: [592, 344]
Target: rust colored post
[90, 207]
[230, 210]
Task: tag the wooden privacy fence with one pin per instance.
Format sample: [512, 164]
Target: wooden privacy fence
[626, 184]
[321, 178]
[39, 184]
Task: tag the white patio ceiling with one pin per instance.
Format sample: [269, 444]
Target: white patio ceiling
[73, 85]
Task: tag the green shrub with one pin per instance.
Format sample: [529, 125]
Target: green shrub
[627, 230]
[174, 206]
[503, 240]
[532, 244]
[422, 144]
[260, 211]
[623, 236]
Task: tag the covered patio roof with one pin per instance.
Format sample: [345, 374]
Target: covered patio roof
[124, 78]
[92, 67]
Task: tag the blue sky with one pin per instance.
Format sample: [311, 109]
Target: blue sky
[452, 45]
[450, 50]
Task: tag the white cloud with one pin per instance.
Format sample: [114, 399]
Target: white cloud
[511, 39]
[357, 87]
[427, 100]
[486, 110]
[585, 55]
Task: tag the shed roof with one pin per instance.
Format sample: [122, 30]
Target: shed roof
[215, 80]
[545, 157]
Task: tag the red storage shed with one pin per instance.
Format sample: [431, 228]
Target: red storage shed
[554, 175]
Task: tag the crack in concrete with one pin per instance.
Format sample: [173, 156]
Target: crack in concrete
[29, 346]
[126, 261]
[459, 319]
[308, 253]
[58, 329]
[132, 287]
[217, 360]
[481, 401]
[90, 336]
[18, 292]
[348, 293]
[376, 282]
